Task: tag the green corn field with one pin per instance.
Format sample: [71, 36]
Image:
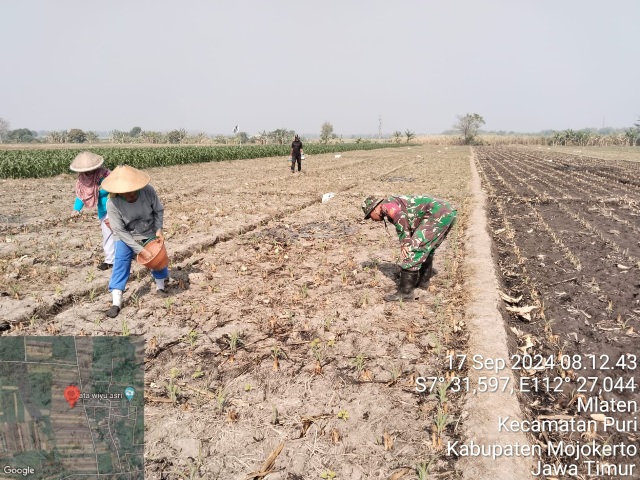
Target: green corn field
[37, 163]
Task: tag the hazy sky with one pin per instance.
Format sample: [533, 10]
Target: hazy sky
[268, 64]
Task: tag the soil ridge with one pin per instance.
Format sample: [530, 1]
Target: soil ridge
[487, 337]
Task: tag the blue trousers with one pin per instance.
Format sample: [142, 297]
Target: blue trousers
[122, 267]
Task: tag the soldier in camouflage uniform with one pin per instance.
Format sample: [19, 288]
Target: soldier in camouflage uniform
[422, 223]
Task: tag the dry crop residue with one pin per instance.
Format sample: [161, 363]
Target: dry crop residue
[275, 332]
[566, 231]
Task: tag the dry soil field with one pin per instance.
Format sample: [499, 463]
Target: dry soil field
[275, 332]
[566, 234]
[275, 352]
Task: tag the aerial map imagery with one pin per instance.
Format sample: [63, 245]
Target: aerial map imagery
[72, 407]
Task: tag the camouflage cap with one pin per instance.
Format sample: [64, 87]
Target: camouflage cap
[369, 203]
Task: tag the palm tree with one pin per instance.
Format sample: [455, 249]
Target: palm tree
[410, 135]
[630, 135]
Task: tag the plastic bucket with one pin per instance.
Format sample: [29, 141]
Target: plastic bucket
[159, 257]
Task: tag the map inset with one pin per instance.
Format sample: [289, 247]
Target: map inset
[72, 408]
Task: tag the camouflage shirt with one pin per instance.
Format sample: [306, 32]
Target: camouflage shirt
[412, 214]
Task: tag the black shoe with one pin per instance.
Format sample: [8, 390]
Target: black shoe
[408, 282]
[161, 292]
[426, 271]
[113, 311]
[105, 266]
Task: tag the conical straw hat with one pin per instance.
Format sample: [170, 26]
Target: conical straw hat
[86, 161]
[125, 179]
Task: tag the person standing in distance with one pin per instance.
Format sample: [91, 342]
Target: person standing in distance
[296, 154]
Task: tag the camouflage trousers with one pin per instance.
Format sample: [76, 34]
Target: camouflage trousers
[427, 237]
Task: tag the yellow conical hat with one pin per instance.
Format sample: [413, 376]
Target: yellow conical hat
[125, 179]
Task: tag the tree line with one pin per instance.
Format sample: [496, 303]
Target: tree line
[467, 127]
[279, 136]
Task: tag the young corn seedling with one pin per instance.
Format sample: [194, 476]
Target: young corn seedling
[364, 301]
[172, 388]
[191, 338]
[440, 422]
[192, 468]
[168, 303]
[316, 351]
[136, 300]
[422, 470]
[275, 353]
[396, 373]
[358, 363]
[221, 399]
[235, 340]
[435, 343]
[125, 328]
[172, 391]
[624, 324]
[33, 320]
[15, 291]
[441, 395]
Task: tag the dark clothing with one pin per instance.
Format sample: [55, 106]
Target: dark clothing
[296, 147]
[296, 154]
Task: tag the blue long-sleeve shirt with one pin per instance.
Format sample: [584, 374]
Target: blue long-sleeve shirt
[102, 204]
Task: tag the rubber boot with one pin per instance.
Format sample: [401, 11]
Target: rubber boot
[426, 271]
[408, 281]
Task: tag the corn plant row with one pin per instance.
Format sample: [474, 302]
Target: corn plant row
[528, 282]
[577, 217]
[508, 165]
[580, 220]
[510, 231]
[516, 162]
[589, 183]
[543, 171]
[510, 240]
[622, 168]
[569, 255]
[605, 181]
[594, 181]
[32, 163]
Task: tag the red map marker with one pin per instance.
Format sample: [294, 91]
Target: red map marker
[72, 394]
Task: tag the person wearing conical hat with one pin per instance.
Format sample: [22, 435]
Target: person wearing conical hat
[89, 194]
[422, 223]
[136, 215]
